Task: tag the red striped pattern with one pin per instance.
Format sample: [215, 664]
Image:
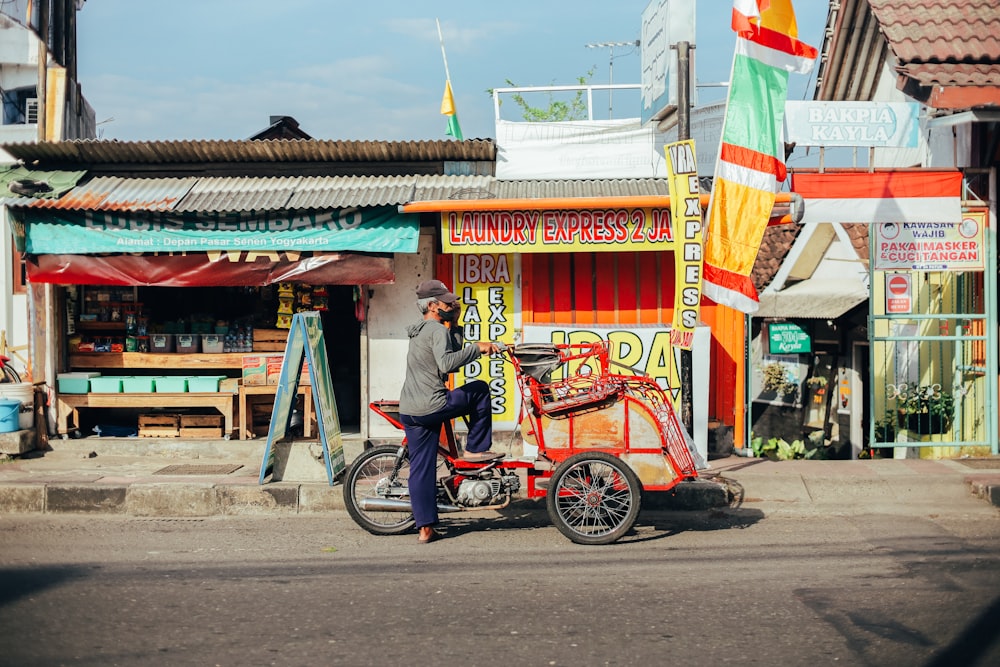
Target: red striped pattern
[878, 185]
[751, 159]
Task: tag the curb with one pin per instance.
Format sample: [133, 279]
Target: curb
[986, 487]
[172, 499]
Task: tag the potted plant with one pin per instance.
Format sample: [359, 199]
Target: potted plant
[774, 378]
[925, 410]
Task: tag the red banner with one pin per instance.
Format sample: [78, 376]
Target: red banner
[215, 269]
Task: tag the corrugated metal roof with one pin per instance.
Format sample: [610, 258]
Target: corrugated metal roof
[246, 193]
[112, 193]
[89, 152]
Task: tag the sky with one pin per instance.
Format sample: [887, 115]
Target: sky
[369, 70]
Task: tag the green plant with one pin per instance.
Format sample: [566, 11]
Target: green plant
[775, 378]
[575, 109]
[780, 449]
[925, 409]
[885, 428]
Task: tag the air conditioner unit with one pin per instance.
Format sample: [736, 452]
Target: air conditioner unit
[31, 111]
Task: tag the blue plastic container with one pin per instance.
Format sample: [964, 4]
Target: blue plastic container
[9, 411]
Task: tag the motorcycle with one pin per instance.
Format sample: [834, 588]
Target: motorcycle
[602, 438]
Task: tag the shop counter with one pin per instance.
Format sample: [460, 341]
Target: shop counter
[69, 404]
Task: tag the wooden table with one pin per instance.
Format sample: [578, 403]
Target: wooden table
[305, 390]
[69, 404]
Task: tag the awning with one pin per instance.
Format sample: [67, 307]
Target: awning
[915, 195]
[785, 204]
[814, 298]
[379, 230]
[216, 269]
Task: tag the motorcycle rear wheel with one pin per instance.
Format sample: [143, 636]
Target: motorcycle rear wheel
[594, 498]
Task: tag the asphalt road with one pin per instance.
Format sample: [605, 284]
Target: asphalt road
[699, 588]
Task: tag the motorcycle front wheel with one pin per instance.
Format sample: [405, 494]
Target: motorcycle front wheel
[379, 473]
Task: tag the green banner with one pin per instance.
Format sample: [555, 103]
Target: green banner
[360, 230]
[788, 338]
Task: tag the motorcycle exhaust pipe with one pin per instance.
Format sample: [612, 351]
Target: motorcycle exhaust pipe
[396, 505]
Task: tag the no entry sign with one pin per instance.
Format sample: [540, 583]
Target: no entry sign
[898, 293]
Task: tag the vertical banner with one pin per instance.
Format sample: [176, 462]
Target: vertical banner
[685, 207]
[485, 284]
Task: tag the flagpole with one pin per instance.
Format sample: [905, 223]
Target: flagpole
[447, 75]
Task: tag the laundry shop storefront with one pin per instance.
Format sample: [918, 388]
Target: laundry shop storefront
[96, 271]
[570, 270]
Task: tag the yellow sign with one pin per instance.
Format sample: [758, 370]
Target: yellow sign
[485, 284]
[604, 230]
[685, 200]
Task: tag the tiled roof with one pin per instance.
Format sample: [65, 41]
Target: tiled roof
[947, 51]
[775, 244]
[941, 31]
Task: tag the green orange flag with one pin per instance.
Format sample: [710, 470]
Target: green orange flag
[751, 164]
[448, 109]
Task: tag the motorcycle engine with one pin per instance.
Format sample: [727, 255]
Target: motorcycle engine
[477, 492]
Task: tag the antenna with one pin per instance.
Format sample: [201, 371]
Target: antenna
[611, 65]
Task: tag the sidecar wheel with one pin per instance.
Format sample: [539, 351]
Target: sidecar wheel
[594, 498]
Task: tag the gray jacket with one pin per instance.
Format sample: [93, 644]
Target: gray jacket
[435, 352]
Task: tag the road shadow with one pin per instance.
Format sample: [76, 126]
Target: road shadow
[662, 518]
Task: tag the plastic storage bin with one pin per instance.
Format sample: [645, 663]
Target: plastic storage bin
[171, 385]
[74, 383]
[204, 383]
[106, 384]
[161, 342]
[187, 343]
[212, 343]
[138, 385]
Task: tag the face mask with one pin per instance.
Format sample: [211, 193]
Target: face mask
[449, 315]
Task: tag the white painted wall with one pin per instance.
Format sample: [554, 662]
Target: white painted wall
[391, 309]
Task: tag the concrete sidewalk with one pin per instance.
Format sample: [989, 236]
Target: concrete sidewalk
[189, 478]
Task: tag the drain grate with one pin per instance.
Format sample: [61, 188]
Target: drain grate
[981, 463]
[199, 469]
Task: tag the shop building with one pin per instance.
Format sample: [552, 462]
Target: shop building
[377, 216]
[220, 239]
[919, 221]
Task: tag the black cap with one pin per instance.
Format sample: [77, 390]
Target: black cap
[435, 289]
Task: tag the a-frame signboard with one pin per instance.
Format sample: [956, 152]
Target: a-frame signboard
[305, 343]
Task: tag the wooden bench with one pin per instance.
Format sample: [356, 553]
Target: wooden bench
[70, 404]
[246, 427]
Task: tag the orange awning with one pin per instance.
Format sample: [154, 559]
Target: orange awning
[783, 211]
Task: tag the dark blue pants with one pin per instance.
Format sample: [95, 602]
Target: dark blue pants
[423, 434]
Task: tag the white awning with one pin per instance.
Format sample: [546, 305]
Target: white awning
[815, 298]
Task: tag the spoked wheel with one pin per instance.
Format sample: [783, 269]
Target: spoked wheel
[382, 474]
[9, 374]
[594, 498]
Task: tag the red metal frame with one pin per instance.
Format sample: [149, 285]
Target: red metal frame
[587, 383]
